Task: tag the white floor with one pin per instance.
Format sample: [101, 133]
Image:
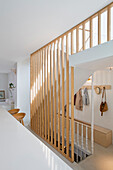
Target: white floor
[102, 159]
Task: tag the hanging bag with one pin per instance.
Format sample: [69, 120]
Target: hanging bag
[103, 105]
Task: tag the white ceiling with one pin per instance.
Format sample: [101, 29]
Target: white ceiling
[26, 25]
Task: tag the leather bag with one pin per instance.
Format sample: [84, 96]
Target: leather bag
[103, 105]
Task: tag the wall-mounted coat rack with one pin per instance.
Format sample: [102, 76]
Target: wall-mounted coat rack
[107, 87]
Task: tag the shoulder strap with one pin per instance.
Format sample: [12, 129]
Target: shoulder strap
[104, 93]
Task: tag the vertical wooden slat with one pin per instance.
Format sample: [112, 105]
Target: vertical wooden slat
[91, 34]
[48, 68]
[62, 94]
[108, 24]
[72, 42]
[72, 113]
[99, 28]
[40, 95]
[82, 142]
[58, 95]
[36, 94]
[54, 96]
[45, 70]
[83, 36]
[77, 40]
[51, 61]
[33, 94]
[72, 103]
[47, 89]
[43, 93]
[33, 91]
[40, 91]
[67, 93]
[31, 97]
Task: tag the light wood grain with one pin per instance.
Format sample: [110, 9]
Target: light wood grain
[39, 90]
[51, 61]
[33, 95]
[108, 24]
[62, 44]
[99, 28]
[48, 71]
[58, 95]
[54, 96]
[107, 87]
[36, 121]
[72, 104]
[67, 93]
[83, 36]
[40, 93]
[43, 93]
[31, 91]
[45, 70]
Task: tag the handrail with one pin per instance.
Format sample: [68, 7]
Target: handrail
[65, 33]
[76, 120]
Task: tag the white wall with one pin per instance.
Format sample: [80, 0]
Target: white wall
[4, 83]
[100, 78]
[23, 88]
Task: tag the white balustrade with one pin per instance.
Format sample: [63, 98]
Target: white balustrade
[77, 133]
[86, 138]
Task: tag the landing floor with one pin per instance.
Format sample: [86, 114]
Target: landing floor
[102, 159]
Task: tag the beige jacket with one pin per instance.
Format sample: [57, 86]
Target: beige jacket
[79, 101]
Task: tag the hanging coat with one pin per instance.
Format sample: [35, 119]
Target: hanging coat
[86, 97]
[79, 101]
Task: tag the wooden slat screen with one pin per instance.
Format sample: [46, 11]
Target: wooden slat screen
[49, 83]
